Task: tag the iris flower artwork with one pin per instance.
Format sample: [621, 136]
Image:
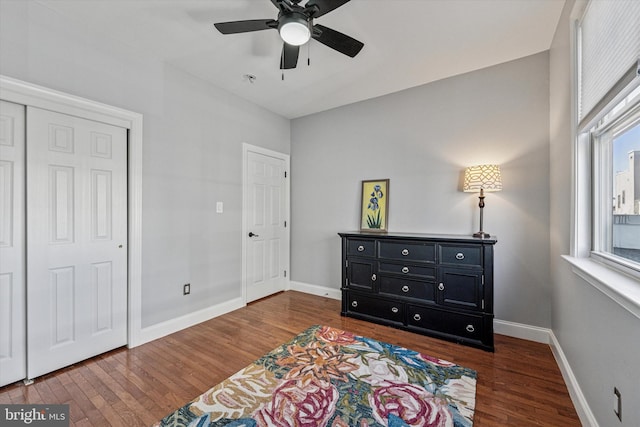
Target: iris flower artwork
[375, 205]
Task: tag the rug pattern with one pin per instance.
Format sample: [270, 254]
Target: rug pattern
[329, 377]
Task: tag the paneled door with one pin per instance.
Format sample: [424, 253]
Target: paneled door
[76, 240]
[12, 248]
[267, 245]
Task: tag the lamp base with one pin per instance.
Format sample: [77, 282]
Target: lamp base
[481, 235]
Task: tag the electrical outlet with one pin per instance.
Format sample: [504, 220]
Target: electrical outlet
[617, 403]
[186, 289]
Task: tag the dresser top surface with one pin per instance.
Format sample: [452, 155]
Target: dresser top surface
[463, 238]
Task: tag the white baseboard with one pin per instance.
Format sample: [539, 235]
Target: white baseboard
[321, 291]
[522, 331]
[577, 397]
[160, 330]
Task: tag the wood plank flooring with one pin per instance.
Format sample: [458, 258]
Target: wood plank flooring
[518, 385]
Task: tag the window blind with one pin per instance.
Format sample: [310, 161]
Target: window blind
[609, 49]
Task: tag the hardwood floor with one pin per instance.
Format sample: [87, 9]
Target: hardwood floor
[518, 385]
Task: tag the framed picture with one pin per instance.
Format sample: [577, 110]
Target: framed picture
[374, 207]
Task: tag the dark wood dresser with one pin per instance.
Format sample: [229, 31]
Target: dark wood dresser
[437, 285]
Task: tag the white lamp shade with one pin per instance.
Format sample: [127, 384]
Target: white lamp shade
[295, 33]
[485, 177]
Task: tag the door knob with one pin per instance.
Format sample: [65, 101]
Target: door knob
[252, 234]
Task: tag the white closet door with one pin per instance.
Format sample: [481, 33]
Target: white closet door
[266, 242]
[12, 264]
[76, 240]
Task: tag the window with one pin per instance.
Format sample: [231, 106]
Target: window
[615, 143]
[607, 173]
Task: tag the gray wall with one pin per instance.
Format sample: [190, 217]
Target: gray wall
[422, 139]
[600, 339]
[192, 150]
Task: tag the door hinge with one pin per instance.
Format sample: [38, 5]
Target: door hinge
[285, 224]
[346, 263]
[483, 279]
[285, 275]
[285, 174]
[483, 304]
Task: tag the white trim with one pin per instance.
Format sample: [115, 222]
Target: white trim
[585, 414]
[522, 331]
[623, 289]
[580, 197]
[24, 93]
[171, 326]
[246, 148]
[321, 291]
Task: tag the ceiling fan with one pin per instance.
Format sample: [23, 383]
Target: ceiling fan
[296, 27]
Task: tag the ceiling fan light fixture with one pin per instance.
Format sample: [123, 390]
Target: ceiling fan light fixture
[294, 29]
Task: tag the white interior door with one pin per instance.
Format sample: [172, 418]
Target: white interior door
[12, 248]
[76, 240]
[266, 212]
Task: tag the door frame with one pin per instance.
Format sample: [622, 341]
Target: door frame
[246, 149]
[21, 92]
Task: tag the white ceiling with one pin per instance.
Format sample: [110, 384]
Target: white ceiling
[407, 43]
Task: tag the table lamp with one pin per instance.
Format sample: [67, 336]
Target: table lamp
[483, 178]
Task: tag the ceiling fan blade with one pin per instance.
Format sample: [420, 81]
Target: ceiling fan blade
[323, 6]
[289, 58]
[235, 27]
[336, 40]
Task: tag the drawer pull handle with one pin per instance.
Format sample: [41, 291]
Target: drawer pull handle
[405, 270]
[470, 328]
[394, 309]
[460, 256]
[405, 288]
[417, 317]
[360, 248]
[441, 287]
[405, 252]
[354, 304]
[374, 277]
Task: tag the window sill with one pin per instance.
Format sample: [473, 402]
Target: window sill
[623, 289]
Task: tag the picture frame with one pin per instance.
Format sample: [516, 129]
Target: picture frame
[374, 206]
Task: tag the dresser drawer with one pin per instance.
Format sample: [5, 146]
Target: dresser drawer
[388, 310]
[461, 255]
[365, 248]
[417, 252]
[419, 271]
[463, 325]
[407, 288]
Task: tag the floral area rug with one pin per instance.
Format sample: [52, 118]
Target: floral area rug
[329, 377]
